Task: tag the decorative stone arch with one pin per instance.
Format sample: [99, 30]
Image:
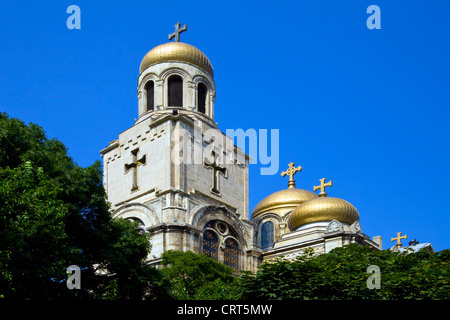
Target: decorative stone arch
[139, 211]
[207, 213]
[268, 217]
[151, 76]
[230, 237]
[164, 75]
[185, 76]
[286, 215]
[210, 94]
[200, 78]
[142, 92]
[202, 214]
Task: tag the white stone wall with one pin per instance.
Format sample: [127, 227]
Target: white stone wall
[151, 142]
[174, 200]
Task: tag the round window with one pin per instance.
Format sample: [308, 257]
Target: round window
[222, 228]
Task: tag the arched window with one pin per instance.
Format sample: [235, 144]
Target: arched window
[218, 234]
[210, 244]
[150, 94]
[201, 97]
[267, 235]
[231, 255]
[175, 91]
[141, 226]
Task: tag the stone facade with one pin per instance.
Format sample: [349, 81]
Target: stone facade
[174, 201]
[186, 183]
[157, 172]
[320, 236]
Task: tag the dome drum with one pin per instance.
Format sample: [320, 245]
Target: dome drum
[176, 74]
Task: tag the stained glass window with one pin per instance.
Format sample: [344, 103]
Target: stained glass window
[217, 233]
[231, 255]
[221, 228]
[210, 244]
[267, 235]
[141, 226]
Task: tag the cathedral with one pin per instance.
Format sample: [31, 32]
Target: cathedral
[202, 205]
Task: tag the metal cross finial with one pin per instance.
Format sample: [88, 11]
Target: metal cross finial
[291, 171]
[399, 238]
[177, 32]
[322, 187]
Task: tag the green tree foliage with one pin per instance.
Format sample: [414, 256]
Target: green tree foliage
[196, 276]
[53, 214]
[342, 274]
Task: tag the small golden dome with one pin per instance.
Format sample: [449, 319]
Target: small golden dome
[177, 51]
[323, 209]
[283, 200]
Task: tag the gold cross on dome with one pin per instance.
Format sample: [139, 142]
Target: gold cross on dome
[177, 32]
[322, 187]
[291, 171]
[399, 238]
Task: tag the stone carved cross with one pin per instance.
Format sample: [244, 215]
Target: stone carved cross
[135, 163]
[177, 32]
[322, 187]
[399, 238]
[216, 170]
[291, 171]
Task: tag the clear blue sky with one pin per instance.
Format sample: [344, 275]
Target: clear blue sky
[368, 109]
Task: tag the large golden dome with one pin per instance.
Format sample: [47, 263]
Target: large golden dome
[177, 51]
[323, 209]
[283, 200]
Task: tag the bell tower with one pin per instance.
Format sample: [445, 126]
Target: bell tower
[176, 75]
[174, 171]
